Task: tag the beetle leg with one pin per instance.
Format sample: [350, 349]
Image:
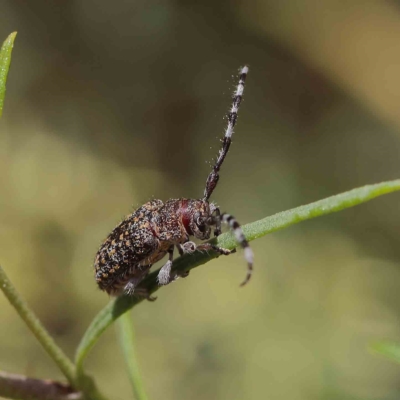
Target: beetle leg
[186, 248]
[142, 292]
[131, 287]
[180, 249]
[164, 275]
[209, 246]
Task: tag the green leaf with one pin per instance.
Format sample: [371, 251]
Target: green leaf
[119, 305]
[127, 340]
[5, 60]
[387, 349]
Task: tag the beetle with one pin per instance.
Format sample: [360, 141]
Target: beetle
[156, 228]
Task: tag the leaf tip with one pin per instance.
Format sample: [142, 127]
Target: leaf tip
[10, 39]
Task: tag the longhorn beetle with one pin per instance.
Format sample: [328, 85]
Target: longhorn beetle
[156, 228]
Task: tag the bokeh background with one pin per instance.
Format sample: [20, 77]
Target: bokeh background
[110, 104]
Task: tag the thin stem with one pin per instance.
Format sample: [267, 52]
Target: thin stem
[33, 323]
[89, 388]
[127, 340]
[14, 386]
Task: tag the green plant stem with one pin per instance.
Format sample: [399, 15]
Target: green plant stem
[33, 323]
[118, 306]
[5, 60]
[88, 386]
[14, 386]
[127, 340]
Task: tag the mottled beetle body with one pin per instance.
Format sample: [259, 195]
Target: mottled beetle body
[156, 228]
[145, 237]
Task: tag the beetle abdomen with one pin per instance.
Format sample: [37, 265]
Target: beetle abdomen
[127, 248]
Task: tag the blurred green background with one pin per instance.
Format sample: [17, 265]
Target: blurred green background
[110, 104]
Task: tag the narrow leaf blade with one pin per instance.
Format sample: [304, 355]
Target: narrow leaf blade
[5, 60]
[127, 341]
[257, 229]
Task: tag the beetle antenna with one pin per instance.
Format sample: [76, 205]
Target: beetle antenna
[213, 177]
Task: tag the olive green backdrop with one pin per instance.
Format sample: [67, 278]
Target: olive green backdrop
[110, 104]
